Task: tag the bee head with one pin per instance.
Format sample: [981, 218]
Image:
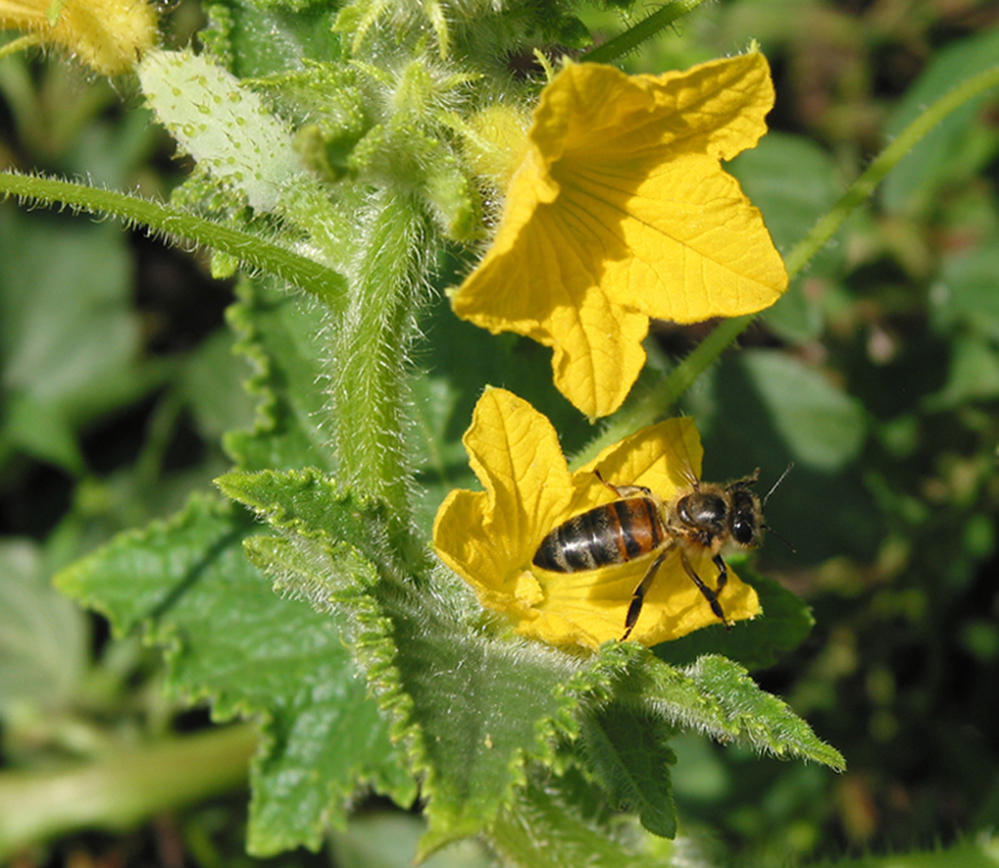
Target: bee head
[747, 516]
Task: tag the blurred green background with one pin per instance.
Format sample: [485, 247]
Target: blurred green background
[878, 374]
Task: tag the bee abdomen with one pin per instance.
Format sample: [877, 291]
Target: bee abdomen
[611, 534]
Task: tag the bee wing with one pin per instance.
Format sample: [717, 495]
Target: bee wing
[682, 453]
[664, 458]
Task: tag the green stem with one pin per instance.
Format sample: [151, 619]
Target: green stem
[628, 41]
[862, 188]
[370, 355]
[250, 249]
[651, 406]
[122, 790]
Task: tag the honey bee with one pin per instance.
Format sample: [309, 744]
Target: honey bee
[701, 516]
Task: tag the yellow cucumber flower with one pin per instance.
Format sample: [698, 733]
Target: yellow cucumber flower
[107, 35]
[490, 537]
[619, 211]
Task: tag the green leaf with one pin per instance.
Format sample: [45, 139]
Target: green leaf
[716, 696]
[69, 337]
[471, 707]
[41, 430]
[308, 503]
[973, 375]
[44, 641]
[543, 828]
[278, 335]
[821, 425]
[476, 707]
[747, 422]
[258, 39]
[627, 751]
[965, 296]
[794, 183]
[211, 382]
[960, 145]
[231, 640]
[786, 622]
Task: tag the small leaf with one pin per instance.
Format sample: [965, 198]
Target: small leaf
[717, 697]
[758, 717]
[389, 840]
[973, 375]
[628, 752]
[230, 639]
[41, 429]
[965, 294]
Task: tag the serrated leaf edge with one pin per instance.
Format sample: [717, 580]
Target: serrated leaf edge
[721, 719]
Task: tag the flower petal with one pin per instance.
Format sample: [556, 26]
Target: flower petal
[589, 608]
[698, 247]
[597, 114]
[491, 536]
[619, 212]
[597, 341]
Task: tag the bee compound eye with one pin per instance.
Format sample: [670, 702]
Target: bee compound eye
[744, 532]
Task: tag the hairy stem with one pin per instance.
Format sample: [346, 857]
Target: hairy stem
[633, 37]
[371, 343]
[651, 406]
[255, 252]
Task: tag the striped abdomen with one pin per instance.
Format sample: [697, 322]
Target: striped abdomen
[611, 534]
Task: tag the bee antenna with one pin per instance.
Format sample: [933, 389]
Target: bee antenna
[780, 479]
[769, 529]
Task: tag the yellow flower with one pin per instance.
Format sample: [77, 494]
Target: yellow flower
[619, 211]
[490, 537]
[107, 35]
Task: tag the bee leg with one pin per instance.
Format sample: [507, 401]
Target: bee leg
[710, 595]
[638, 598]
[719, 562]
